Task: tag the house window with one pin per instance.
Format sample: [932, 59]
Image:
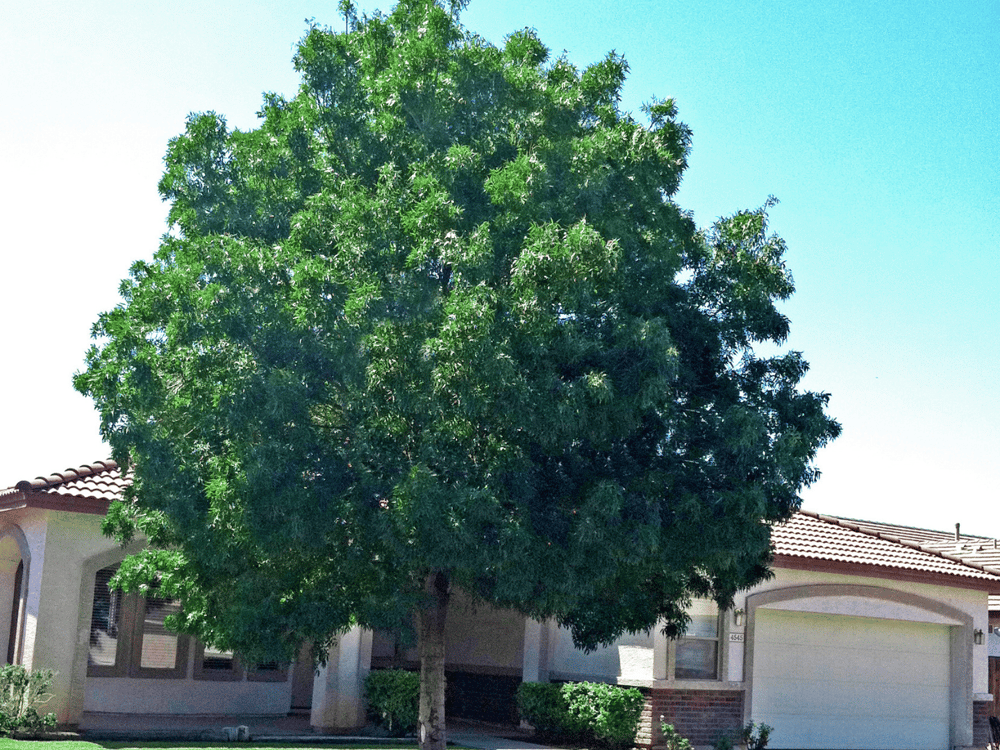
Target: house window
[697, 652]
[128, 637]
[105, 625]
[270, 671]
[157, 652]
[213, 664]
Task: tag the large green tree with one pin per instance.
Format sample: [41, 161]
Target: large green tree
[439, 322]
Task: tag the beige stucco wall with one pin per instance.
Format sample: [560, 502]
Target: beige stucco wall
[186, 696]
[629, 659]
[477, 637]
[480, 636]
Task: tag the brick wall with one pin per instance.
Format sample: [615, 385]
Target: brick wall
[981, 711]
[701, 716]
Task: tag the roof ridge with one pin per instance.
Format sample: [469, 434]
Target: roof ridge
[854, 526]
[67, 475]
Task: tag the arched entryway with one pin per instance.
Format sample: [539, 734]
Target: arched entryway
[13, 593]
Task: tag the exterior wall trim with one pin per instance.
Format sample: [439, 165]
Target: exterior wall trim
[960, 642]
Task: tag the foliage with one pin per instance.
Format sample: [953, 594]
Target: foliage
[724, 742]
[674, 741]
[755, 736]
[393, 699]
[585, 711]
[542, 705]
[439, 322]
[607, 712]
[21, 692]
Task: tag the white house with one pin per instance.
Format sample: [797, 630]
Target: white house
[862, 639]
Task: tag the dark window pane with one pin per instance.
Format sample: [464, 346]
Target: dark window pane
[696, 660]
[217, 660]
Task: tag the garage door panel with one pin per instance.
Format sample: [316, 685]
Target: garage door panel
[921, 703]
[910, 670]
[831, 681]
[854, 734]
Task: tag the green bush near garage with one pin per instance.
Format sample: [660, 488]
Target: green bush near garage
[588, 712]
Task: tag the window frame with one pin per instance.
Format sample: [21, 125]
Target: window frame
[128, 647]
[200, 672]
[178, 671]
[721, 652]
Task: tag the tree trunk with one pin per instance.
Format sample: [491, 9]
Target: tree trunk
[430, 644]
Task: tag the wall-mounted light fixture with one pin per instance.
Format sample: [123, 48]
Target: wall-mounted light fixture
[977, 636]
[738, 615]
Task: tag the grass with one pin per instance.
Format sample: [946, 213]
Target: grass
[6, 744]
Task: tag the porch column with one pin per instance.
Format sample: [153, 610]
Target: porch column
[537, 651]
[661, 653]
[338, 690]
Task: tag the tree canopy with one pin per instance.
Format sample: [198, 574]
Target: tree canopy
[438, 321]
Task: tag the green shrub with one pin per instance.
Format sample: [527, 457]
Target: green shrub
[542, 705]
[393, 697]
[755, 736]
[582, 711]
[20, 692]
[673, 739]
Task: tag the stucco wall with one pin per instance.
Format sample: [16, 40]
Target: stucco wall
[186, 696]
[481, 636]
[477, 638]
[630, 658]
[70, 538]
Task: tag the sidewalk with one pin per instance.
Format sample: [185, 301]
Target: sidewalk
[291, 728]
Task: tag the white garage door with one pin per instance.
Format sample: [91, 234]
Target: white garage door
[833, 681]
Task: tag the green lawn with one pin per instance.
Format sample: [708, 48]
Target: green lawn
[81, 745]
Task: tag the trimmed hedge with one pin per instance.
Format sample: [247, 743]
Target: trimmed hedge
[393, 697]
[590, 712]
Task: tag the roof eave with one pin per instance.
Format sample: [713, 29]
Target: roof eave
[50, 501]
[989, 585]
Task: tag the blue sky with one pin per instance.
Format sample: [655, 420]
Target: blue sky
[875, 124]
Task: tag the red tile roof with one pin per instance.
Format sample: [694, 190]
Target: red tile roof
[970, 548]
[85, 489]
[809, 535]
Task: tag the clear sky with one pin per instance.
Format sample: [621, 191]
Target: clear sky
[875, 124]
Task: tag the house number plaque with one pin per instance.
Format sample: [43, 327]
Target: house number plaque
[736, 637]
